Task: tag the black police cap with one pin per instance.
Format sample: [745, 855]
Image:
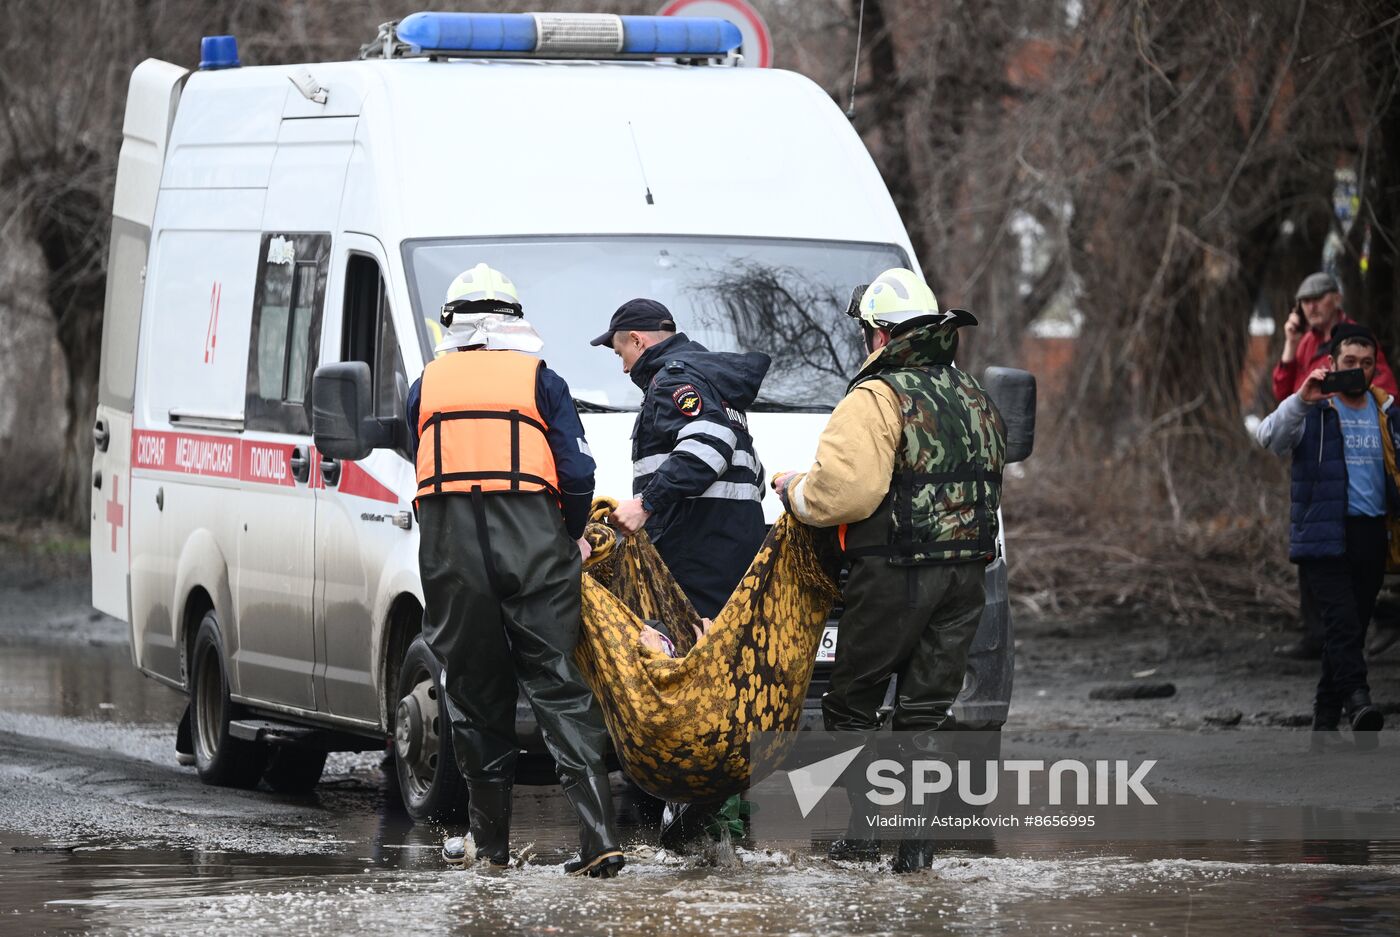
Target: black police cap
[637, 315]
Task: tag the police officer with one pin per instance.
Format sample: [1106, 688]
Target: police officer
[909, 468]
[505, 482]
[696, 480]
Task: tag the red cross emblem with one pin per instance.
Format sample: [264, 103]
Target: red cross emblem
[115, 513]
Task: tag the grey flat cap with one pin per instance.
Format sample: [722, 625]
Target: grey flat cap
[1317, 284]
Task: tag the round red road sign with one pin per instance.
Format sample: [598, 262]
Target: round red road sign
[758, 41]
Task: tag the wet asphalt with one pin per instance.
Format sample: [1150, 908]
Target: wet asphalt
[102, 832]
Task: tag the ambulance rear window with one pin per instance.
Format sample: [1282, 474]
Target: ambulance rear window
[285, 330]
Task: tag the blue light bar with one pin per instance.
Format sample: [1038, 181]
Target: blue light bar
[565, 34]
[217, 52]
[679, 35]
[468, 32]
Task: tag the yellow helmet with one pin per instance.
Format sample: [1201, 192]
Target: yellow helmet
[480, 284]
[483, 282]
[896, 296]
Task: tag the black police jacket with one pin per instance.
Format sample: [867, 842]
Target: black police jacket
[691, 439]
[694, 465]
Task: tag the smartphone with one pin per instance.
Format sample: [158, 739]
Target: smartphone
[1352, 381]
[1296, 313]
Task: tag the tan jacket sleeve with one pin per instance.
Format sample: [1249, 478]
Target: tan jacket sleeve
[855, 460]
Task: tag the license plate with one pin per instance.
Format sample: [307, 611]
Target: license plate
[826, 650]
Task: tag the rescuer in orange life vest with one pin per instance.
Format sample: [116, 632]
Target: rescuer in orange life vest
[505, 483]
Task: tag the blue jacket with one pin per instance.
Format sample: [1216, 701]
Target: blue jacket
[572, 459]
[1318, 491]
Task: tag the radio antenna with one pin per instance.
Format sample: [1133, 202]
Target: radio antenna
[642, 166]
[860, 26]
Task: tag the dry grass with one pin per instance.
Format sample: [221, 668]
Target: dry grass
[1188, 541]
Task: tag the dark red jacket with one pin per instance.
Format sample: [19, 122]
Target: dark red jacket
[1312, 353]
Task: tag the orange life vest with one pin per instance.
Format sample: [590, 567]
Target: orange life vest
[479, 428]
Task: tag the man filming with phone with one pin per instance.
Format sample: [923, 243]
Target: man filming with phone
[1343, 434]
[1307, 340]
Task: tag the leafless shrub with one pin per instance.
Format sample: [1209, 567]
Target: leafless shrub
[1144, 535]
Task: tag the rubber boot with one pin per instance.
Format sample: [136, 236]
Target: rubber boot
[599, 855]
[859, 844]
[683, 825]
[184, 741]
[916, 854]
[1324, 736]
[488, 818]
[1366, 720]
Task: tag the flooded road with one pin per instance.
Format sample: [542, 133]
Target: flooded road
[101, 832]
[373, 888]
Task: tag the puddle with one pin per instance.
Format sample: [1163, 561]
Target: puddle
[1220, 890]
[98, 684]
[124, 842]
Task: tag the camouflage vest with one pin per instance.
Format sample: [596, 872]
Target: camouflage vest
[943, 497]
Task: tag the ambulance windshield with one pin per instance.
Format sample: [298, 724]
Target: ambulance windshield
[787, 298]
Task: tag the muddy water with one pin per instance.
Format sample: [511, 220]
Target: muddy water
[96, 683]
[100, 832]
[370, 889]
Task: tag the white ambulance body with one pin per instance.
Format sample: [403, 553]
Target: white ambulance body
[269, 220]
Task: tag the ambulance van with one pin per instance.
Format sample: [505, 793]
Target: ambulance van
[272, 221]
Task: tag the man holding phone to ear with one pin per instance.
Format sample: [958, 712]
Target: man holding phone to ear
[1343, 435]
[1308, 334]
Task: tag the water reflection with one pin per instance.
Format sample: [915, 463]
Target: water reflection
[771, 891]
[83, 682]
[385, 875]
[359, 865]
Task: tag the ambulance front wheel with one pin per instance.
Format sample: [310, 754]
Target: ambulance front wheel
[429, 782]
[219, 758]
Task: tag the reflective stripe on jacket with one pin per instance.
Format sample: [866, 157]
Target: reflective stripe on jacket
[691, 439]
[480, 428]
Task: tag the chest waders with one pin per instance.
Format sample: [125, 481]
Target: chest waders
[500, 582]
[915, 592]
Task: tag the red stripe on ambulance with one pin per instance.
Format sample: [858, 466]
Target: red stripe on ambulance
[356, 481]
[262, 463]
[210, 456]
[268, 463]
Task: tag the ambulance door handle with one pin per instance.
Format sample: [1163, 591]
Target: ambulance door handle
[330, 471]
[301, 463]
[100, 435]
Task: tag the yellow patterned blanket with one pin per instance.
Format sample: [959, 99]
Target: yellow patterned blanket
[683, 727]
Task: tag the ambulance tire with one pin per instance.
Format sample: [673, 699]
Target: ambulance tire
[429, 783]
[294, 769]
[220, 759]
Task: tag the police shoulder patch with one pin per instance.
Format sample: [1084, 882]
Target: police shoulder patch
[687, 400]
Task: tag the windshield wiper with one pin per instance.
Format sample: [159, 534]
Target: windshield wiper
[778, 406]
[588, 406]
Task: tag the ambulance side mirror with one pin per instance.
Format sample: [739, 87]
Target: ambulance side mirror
[1013, 392]
[342, 412]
